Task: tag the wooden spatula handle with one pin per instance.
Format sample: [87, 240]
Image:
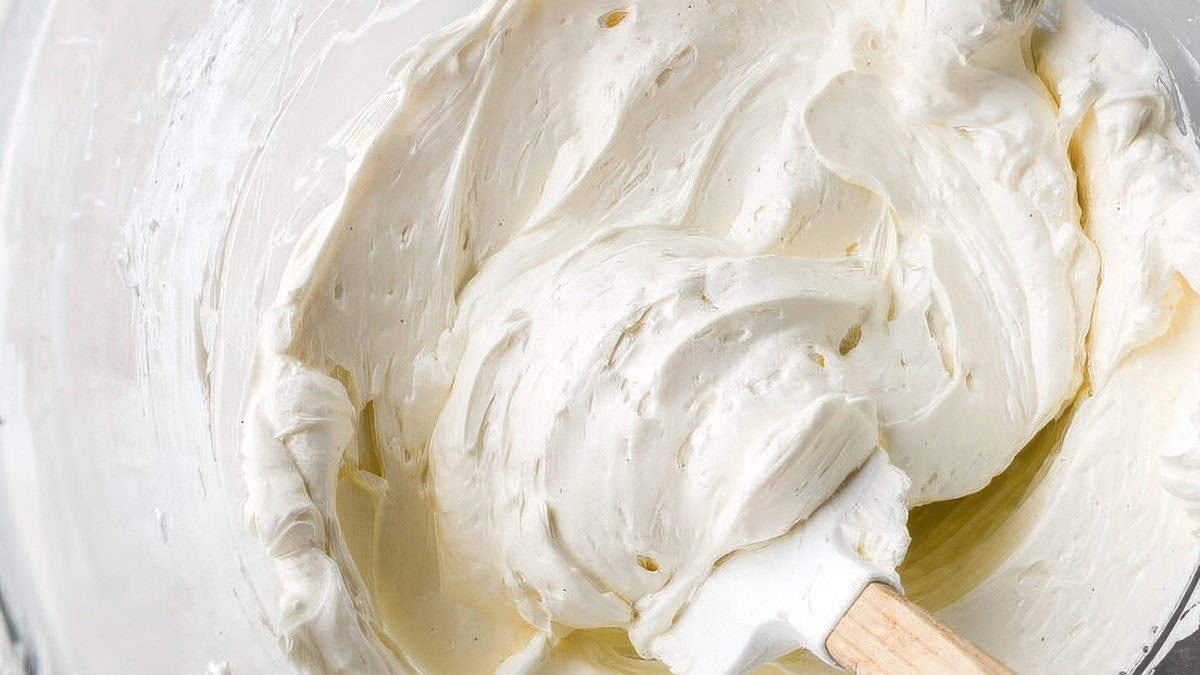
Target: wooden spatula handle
[886, 634]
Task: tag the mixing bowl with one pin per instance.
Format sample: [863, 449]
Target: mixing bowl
[144, 144]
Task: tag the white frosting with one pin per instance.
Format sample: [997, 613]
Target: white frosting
[614, 294]
[636, 335]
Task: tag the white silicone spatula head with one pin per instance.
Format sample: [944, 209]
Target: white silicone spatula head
[819, 588]
[761, 604]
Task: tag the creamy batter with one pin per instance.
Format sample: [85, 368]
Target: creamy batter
[615, 294]
[621, 293]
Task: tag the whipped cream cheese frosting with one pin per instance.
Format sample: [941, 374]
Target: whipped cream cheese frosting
[583, 303]
[614, 295]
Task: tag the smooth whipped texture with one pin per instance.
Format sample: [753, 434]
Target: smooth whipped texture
[631, 292]
[557, 353]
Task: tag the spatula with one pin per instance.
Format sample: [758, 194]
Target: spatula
[829, 587]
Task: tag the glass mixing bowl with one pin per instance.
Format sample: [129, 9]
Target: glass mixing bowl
[1171, 26]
